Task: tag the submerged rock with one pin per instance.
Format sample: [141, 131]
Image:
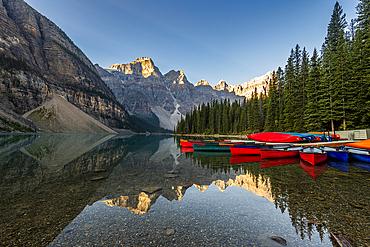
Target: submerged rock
[170, 176]
[170, 231]
[187, 184]
[279, 240]
[151, 190]
[100, 170]
[341, 240]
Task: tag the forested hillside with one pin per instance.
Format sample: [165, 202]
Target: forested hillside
[328, 90]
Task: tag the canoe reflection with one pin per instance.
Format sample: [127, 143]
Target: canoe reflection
[278, 162]
[313, 171]
[339, 165]
[244, 159]
[361, 165]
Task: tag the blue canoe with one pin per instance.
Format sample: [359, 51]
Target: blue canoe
[359, 154]
[338, 153]
[325, 138]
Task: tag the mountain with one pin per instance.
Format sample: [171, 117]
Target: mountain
[37, 60]
[144, 91]
[136, 93]
[259, 84]
[220, 91]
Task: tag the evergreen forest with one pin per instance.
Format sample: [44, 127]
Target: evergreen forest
[328, 90]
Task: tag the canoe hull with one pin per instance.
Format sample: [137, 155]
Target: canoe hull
[342, 156]
[211, 148]
[190, 144]
[361, 144]
[361, 157]
[313, 158]
[245, 151]
[277, 154]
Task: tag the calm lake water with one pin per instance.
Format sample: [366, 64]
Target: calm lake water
[107, 190]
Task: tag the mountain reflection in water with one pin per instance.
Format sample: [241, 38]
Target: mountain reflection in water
[54, 185]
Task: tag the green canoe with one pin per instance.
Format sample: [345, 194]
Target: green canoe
[211, 148]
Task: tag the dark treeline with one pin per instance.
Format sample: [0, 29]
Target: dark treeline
[329, 90]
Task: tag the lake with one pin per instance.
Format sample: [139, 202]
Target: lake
[121, 190]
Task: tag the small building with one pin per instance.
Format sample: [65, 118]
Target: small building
[362, 134]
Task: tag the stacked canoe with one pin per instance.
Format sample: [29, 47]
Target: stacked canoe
[283, 137]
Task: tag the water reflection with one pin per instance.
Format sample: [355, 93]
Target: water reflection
[313, 171]
[52, 184]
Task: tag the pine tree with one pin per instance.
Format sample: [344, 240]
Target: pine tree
[297, 89]
[288, 96]
[362, 54]
[225, 117]
[312, 109]
[272, 107]
[333, 65]
[280, 86]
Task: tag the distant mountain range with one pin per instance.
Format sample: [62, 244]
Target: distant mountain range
[143, 90]
[38, 62]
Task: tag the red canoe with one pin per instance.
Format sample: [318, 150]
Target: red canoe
[245, 150]
[279, 162]
[276, 153]
[313, 155]
[274, 137]
[313, 171]
[190, 144]
[244, 159]
[187, 150]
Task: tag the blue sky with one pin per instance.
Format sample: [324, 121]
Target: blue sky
[212, 40]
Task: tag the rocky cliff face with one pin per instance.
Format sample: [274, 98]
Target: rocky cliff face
[219, 92]
[246, 89]
[38, 59]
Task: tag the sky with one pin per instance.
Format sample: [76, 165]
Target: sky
[233, 40]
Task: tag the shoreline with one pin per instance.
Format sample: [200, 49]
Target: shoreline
[215, 136]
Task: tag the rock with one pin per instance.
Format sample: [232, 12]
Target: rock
[202, 83]
[170, 176]
[247, 88]
[151, 190]
[170, 231]
[319, 198]
[100, 170]
[187, 184]
[348, 217]
[279, 240]
[356, 206]
[341, 240]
